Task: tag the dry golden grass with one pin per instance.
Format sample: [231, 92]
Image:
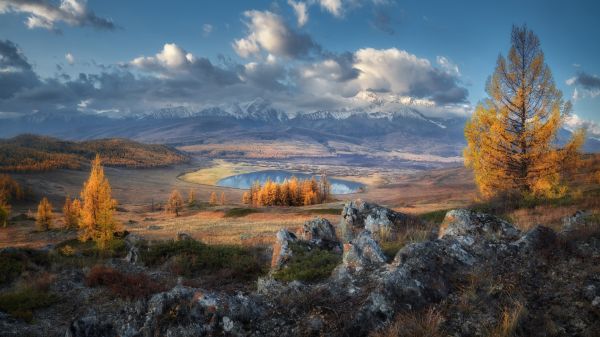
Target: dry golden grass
[219, 170]
[509, 321]
[414, 324]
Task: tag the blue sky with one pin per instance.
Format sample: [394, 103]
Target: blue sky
[460, 39]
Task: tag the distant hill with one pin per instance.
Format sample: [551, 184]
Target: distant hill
[40, 153]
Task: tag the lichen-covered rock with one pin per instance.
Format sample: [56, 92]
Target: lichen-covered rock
[358, 215]
[132, 242]
[463, 222]
[282, 251]
[321, 233]
[363, 252]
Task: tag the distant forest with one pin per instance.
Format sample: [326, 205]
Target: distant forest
[27, 153]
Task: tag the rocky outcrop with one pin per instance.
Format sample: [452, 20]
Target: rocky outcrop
[367, 289]
[359, 215]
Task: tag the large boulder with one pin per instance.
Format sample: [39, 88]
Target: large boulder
[467, 223]
[363, 253]
[282, 251]
[575, 221]
[359, 215]
[321, 233]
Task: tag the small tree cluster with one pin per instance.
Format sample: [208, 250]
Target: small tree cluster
[292, 192]
[175, 203]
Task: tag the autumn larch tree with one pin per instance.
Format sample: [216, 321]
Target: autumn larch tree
[97, 221]
[511, 137]
[213, 198]
[223, 199]
[44, 217]
[175, 203]
[4, 210]
[71, 212]
[191, 198]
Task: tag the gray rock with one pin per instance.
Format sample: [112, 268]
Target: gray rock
[282, 252]
[573, 222]
[132, 242]
[358, 215]
[181, 236]
[363, 252]
[320, 232]
[463, 222]
[540, 237]
[90, 326]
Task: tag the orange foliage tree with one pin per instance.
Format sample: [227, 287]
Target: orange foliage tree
[71, 210]
[213, 198]
[511, 135]
[97, 221]
[292, 192]
[175, 203]
[44, 217]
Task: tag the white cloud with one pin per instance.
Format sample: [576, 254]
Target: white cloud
[45, 14]
[574, 122]
[207, 29]
[391, 71]
[589, 85]
[268, 31]
[332, 6]
[301, 11]
[70, 58]
[171, 57]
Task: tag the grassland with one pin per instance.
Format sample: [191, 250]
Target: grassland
[218, 170]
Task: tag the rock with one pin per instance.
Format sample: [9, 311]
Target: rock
[320, 232]
[363, 252]
[359, 215]
[282, 251]
[89, 326]
[538, 238]
[573, 222]
[462, 222]
[181, 236]
[133, 252]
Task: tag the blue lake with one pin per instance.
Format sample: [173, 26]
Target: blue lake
[244, 181]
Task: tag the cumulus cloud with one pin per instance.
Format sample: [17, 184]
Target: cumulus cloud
[267, 31]
[46, 14]
[574, 122]
[207, 29]
[588, 83]
[448, 66]
[301, 11]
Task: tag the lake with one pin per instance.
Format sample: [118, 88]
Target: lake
[244, 181]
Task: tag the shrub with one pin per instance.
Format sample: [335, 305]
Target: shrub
[434, 217]
[239, 212]
[16, 261]
[191, 258]
[21, 303]
[114, 248]
[308, 264]
[137, 285]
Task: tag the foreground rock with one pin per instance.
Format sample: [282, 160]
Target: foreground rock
[479, 272]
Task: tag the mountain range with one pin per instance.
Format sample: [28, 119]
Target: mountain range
[380, 123]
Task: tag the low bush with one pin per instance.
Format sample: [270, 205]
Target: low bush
[131, 286]
[333, 211]
[308, 264]
[239, 212]
[22, 302]
[114, 249]
[192, 258]
[15, 261]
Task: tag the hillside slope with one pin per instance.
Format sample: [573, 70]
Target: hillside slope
[39, 153]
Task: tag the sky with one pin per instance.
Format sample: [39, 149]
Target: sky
[127, 57]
